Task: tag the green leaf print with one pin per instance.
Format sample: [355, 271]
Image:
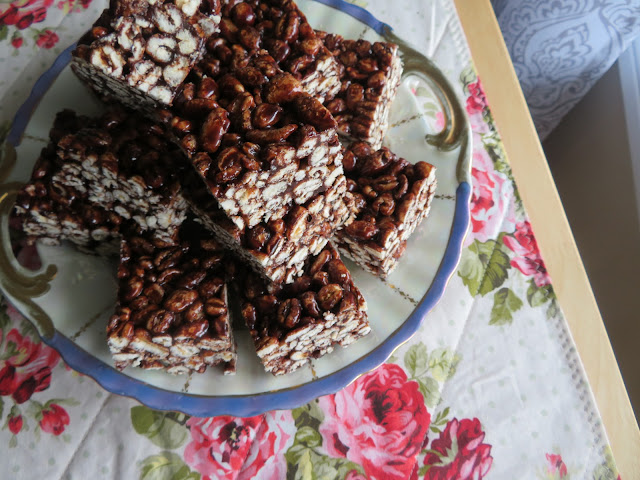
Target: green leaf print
[430, 370]
[493, 147]
[415, 360]
[443, 363]
[61, 401]
[327, 468]
[166, 466]
[602, 472]
[468, 76]
[423, 470]
[505, 303]
[308, 437]
[164, 429]
[4, 32]
[345, 466]
[34, 410]
[554, 309]
[308, 415]
[471, 269]
[10, 350]
[608, 469]
[439, 421]
[27, 329]
[484, 266]
[303, 459]
[13, 412]
[294, 453]
[325, 471]
[307, 464]
[538, 296]
[430, 390]
[304, 470]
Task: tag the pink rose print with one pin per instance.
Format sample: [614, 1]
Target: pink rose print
[492, 204]
[458, 453]
[71, 3]
[355, 475]
[476, 105]
[24, 13]
[220, 445]
[528, 259]
[266, 456]
[16, 42]
[28, 367]
[380, 422]
[54, 419]
[476, 102]
[492, 199]
[556, 467]
[15, 424]
[47, 39]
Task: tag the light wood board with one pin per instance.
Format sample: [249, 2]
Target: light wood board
[549, 222]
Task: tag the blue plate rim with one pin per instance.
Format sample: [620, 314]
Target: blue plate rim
[250, 405]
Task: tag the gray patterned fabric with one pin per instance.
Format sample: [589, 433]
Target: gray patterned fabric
[560, 48]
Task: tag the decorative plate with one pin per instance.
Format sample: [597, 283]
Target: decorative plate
[72, 297]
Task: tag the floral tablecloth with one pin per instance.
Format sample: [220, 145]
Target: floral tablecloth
[491, 386]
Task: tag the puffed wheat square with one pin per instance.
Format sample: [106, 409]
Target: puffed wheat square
[139, 52]
[172, 312]
[307, 319]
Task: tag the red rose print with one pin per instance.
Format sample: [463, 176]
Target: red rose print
[47, 39]
[266, 455]
[15, 424]
[220, 445]
[7, 380]
[27, 388]
[476, 102]
[380, 422]
[556, 467]
[28, 367]
[24, 13]
[16, 42]
[54, 419]
[528, 259]
[458, 453]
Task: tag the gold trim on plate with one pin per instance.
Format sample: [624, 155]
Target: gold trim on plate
[18, 282]
[456, 131]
